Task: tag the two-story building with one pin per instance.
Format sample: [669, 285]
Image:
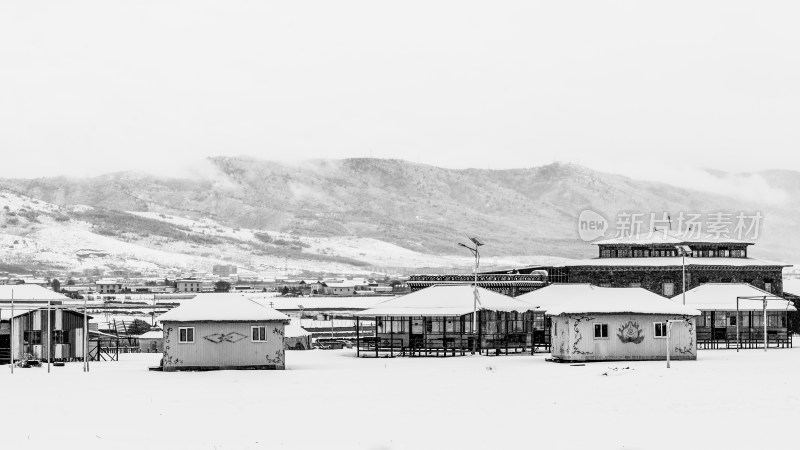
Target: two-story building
[654, 260]
[108, 287]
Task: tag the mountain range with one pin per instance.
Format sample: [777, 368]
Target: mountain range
[348, 215]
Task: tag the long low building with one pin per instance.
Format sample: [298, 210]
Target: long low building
[438, 321]
[759, 311]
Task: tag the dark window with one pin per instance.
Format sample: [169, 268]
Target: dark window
[59, 337]
[32, 337]
[186, 335]
[600, 330]
[259, 333]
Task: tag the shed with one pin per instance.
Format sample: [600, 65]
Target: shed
[438, 320]
[717, 325]
[591, 323]
[296, 337]
[27, 333]
[223, 331]
[151, 342]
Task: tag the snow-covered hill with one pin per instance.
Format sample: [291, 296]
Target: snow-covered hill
[348, 215]
[40, 235]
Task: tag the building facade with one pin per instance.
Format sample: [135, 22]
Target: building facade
[223, 331]
[652, 261]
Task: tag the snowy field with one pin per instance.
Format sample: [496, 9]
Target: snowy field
[330, 399]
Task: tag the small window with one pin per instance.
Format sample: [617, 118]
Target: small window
[259, 333]
[186, 335]
[32, 337]
[601, 331]
[660, 329]
[668, 289]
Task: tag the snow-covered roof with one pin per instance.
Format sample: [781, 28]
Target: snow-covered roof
[669, 238]
[23, 292]
[23, 308]
[107, 282]
[722, 297]
[445, 301]
[221, 307]
[155, 334]
[294, 330]
[673, 261]
[558, 299]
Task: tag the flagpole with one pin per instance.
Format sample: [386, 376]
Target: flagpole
[11, 331]
[85, 337]
[49, 336]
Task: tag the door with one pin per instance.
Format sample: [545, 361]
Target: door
[5, 348]
[417, 331]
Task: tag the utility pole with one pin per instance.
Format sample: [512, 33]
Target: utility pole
[476, 296]
[11, 331]
[683, 250]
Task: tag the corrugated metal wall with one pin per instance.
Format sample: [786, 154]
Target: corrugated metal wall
[223, 344]
[67, 321]
[573, 338]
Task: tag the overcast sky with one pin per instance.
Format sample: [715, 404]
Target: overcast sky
[648, 89]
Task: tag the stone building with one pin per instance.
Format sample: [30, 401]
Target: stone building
[649, 260]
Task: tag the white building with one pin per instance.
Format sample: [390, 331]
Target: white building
[108, 287]
[338, 288]
[223, 331]
[591, 323]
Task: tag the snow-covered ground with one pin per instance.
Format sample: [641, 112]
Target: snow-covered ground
[330, 399]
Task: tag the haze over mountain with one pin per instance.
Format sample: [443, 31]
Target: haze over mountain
[391, 212]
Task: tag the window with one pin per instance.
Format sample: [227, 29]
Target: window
[186, 335]
[774, 319]
[32, 337]
[59, 337]
[720, 319]
[601, 331]
[659, 329]
[259, 333]
[668, 289]
[768, 286]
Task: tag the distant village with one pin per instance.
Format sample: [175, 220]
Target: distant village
[707, 293]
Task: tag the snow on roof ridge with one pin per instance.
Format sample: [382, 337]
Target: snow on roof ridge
[222, 307]
[555, 300]
[708, 296]
[445, 300]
